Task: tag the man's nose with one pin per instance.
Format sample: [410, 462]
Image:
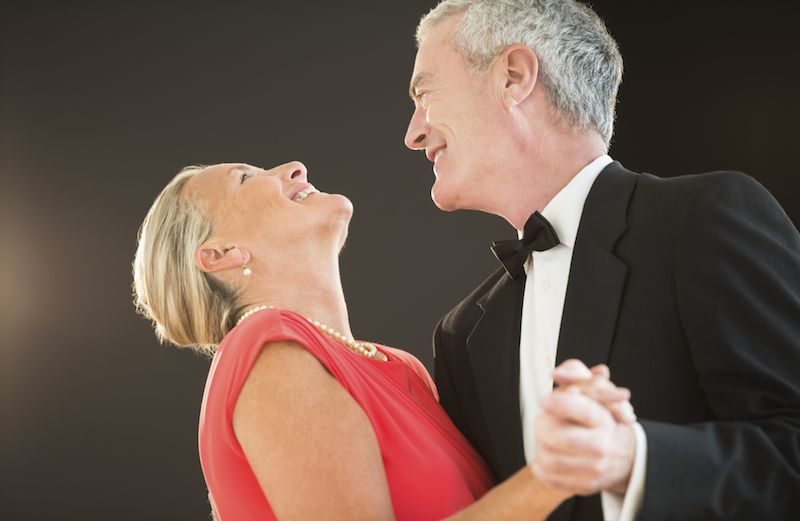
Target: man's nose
[418, 131]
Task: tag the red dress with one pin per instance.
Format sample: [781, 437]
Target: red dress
[432, 471]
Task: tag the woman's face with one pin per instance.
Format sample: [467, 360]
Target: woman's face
[264, 211]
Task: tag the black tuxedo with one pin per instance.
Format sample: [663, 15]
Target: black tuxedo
[689, 289]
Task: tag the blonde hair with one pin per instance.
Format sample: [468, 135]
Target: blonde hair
[188, 308]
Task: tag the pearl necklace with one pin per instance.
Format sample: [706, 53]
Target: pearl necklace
[250, 312]
[362, 348]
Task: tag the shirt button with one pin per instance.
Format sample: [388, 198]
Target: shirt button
[546, 285]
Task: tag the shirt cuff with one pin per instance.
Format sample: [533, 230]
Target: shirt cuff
[625, 507]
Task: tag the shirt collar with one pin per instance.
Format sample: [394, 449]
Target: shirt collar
[565, 209]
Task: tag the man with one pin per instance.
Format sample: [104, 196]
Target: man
[687, 288]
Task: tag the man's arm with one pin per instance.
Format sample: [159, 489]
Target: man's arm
[738, 288]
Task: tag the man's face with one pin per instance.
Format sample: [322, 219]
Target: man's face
[452, 114]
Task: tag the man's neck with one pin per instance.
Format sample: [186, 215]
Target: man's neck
[535, 177]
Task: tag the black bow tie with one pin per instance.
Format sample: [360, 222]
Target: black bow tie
[538, 235]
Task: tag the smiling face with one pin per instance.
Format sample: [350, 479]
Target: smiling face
[265, 213]
[454, 112]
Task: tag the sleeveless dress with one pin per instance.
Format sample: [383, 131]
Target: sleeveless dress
[431, 470]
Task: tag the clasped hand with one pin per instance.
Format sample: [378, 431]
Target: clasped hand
[584, 438]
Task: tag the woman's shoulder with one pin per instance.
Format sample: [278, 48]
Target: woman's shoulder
[413, 363]
[243, 345]
[272, 347]
[270, 320]
[264, 326]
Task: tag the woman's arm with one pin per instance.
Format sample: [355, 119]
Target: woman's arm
[312, 447]
[520, 497]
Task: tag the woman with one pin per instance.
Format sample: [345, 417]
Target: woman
[298, 420]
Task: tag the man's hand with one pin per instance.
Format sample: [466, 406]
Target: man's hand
[595, 384]
[579, 445]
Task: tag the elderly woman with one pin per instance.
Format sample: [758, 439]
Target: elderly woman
[299, 420]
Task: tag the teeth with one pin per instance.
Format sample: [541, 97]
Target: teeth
[302, 194]
[437, 154]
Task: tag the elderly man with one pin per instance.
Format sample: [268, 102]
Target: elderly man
[687, 288]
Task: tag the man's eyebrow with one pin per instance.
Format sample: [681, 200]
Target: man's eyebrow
[415, 81]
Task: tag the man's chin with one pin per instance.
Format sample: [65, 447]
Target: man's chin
[443, 201]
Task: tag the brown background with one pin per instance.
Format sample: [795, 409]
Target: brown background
[100, 104]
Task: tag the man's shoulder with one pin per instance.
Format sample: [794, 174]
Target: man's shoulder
[715, 190]
[700, 182]
[663, 195]
[721, 190]
[699, 209]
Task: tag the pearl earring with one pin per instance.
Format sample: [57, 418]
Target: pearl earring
[246, 271]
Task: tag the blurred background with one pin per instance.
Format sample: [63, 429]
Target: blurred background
[102, 102]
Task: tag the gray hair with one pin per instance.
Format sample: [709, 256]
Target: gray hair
[579, 63]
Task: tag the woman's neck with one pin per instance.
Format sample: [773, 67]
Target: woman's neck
[312, 291]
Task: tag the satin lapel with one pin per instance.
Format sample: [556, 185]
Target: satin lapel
[597, 276]
[493, 347]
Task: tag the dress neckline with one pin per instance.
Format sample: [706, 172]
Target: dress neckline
[390, 357]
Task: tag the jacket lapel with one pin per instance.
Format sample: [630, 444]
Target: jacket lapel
[493, 347]
[597, 276]
[594, 291]
[596, 281]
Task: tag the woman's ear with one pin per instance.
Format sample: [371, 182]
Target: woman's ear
[212, 257]
[519, 68]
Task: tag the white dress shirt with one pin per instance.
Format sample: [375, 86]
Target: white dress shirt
[542, 307]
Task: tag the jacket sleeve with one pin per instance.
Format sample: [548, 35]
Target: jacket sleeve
[738, 288]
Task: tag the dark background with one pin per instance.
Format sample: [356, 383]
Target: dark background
[100, 104]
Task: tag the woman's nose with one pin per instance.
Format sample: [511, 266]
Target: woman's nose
[294, 171]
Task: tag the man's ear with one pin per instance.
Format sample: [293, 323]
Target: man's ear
[519, 67]
[212, 257]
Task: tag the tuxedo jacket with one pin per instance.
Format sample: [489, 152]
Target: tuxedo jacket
[689, 290]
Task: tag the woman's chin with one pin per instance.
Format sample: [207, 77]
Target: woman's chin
[341, 205]
[335, 212]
